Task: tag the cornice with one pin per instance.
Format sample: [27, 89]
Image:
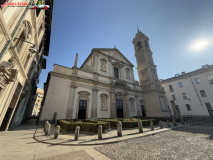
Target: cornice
[187, 75]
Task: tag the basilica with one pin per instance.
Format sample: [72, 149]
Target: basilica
[104, 86]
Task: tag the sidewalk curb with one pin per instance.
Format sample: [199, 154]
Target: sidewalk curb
[124, 139]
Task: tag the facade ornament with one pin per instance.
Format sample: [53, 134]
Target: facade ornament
[121, 85]
[103, 64]
[117, 64]
[87, 68]
[127, 73]
[104, 101]
[7, 73]
[132, 101]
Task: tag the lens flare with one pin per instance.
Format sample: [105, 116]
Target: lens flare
[200, 44]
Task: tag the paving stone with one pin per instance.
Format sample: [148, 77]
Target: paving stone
[191, 142]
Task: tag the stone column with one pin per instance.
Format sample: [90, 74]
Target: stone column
[110, 68]
[137, 105]
[70, 106]
[94, 103]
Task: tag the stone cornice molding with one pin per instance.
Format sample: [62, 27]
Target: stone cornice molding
[104, 95]
[117, 64]
[84, 93]
[187, 75]
[103, 59]
[131, 99]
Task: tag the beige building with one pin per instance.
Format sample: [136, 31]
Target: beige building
[24, 41]
[104, 86]
[190, 94]
[37, 104]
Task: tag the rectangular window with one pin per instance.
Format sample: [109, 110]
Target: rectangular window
[171, 88]
[202, 92]
[188, 107]
[184, 95]
[180, 84]
[173, 97]
[197, 80]
[177, 108]
[162, 104]
[208, 106]
[116, 72]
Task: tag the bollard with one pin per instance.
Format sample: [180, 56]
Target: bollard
[119, 129]
[140, 126]
[168, 123]
[45, 125]
[151, 125]
[57, 130]
[99, 132]
[161, 125]
[182, 121]
[186, 121]
[77, 130]
[47, 133]
[55, 118]
[174, 123]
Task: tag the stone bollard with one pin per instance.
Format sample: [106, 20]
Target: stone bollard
[140, 126]
[186, 121]
[119, 129]
[47, 133]
[45, 125]
[77, 130]
[161, 125]
[174, 123]
[168, 123]
[55, 118]
[99, 132]
[151, 126]
[182, 121]
[57, 130]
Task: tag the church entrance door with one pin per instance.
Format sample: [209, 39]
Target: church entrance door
[82, 109]
[119, 106]
[143, 111]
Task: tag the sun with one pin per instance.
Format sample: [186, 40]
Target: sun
[200, 44]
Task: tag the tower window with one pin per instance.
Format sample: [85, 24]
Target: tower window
[116, 72]
[197, 80]
[180, 84]
[146, 44]
[139, 45]
[188, 107]
[202, 92]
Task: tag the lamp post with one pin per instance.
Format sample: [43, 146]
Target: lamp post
[32, 49]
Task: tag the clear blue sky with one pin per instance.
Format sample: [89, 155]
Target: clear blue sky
[171, 25]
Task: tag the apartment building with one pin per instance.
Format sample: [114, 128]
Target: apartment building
[190, 94]
[24, 41]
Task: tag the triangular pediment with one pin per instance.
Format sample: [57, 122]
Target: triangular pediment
[113, 53]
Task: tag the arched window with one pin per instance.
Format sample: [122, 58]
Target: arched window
[139, 45]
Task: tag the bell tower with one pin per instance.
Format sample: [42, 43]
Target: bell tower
[154, 96]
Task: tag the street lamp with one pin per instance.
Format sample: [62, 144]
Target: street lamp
[32, 49]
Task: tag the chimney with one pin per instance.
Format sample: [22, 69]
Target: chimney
[183, 72]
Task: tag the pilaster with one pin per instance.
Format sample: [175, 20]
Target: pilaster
[94, 102]
[70, 106]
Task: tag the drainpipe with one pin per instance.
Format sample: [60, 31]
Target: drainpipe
[196, 91]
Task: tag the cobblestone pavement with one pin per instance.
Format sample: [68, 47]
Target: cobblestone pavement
[194, 142]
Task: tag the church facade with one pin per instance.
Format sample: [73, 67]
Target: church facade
[104, 86]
